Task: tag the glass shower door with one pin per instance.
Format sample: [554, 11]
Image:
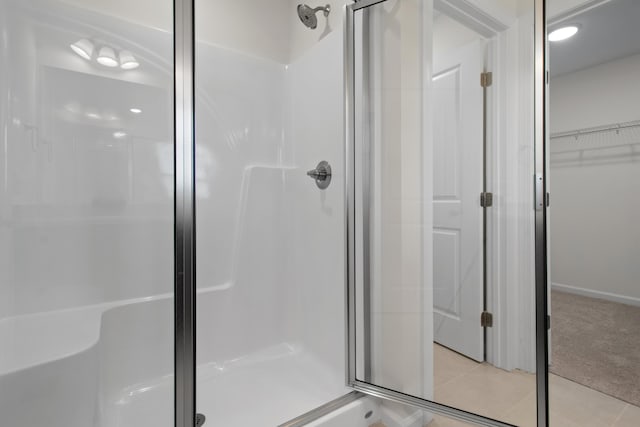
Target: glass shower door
[86, 213]
[441, 130]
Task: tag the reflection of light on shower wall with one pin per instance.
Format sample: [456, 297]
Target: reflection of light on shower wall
[164, 156]
[106, 55]
[205, 164]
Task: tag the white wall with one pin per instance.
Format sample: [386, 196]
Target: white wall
[256, 27]
[596, 202]
[600, 95]
[315, 255]
[449, 35]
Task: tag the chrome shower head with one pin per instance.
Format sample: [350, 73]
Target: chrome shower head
[307, 14]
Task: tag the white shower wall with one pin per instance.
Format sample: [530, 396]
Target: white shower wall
[301, 38]
[106, 232]
[278, 238]
[240, 116]
[316, 266]
[86, 217]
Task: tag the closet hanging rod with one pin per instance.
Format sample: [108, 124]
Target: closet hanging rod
[598, 129]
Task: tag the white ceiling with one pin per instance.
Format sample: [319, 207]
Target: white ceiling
[610, 31]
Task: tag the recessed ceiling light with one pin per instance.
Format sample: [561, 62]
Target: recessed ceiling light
[563, 33]
[83, 48]
[107, 57]
[119, 134]
[135, 110]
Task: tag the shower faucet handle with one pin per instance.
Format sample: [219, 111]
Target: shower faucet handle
[321, 174]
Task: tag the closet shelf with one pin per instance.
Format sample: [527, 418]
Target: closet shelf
[616, 127]
[619, 140]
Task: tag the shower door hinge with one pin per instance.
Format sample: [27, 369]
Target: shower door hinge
[486, 319]
[486, 79]
[486, 199]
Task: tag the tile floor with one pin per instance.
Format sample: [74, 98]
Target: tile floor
[510, 396]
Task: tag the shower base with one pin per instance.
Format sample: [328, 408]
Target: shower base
[267, 388]
[111, 366]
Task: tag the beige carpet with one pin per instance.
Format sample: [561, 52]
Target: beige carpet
[596, 343]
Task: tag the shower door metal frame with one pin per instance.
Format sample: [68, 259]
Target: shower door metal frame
[184, 215]
[540, 183]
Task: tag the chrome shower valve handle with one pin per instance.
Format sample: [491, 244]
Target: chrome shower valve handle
[321, 174]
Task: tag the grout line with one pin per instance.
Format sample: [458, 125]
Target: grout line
[624, 408]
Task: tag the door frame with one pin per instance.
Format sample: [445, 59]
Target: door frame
[540, 231]
[184, 214]
[508, 278]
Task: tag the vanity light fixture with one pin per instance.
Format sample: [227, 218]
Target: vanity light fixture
[128, 61]
[107, 57]
[83, 48]
[563, 33]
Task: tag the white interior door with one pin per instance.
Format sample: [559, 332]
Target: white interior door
[458, 176]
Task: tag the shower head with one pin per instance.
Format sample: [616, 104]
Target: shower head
[307, 14]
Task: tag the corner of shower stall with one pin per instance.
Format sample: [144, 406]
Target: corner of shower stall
[276, 332]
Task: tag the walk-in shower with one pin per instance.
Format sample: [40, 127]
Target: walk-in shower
[188, 226]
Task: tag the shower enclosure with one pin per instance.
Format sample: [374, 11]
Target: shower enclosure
[227, 209]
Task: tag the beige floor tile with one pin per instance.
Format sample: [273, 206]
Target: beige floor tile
[440, 421]
[572, 404]
[448, 365]
[511, 397]
[523, 413]
[486, 390]
[630, 417]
